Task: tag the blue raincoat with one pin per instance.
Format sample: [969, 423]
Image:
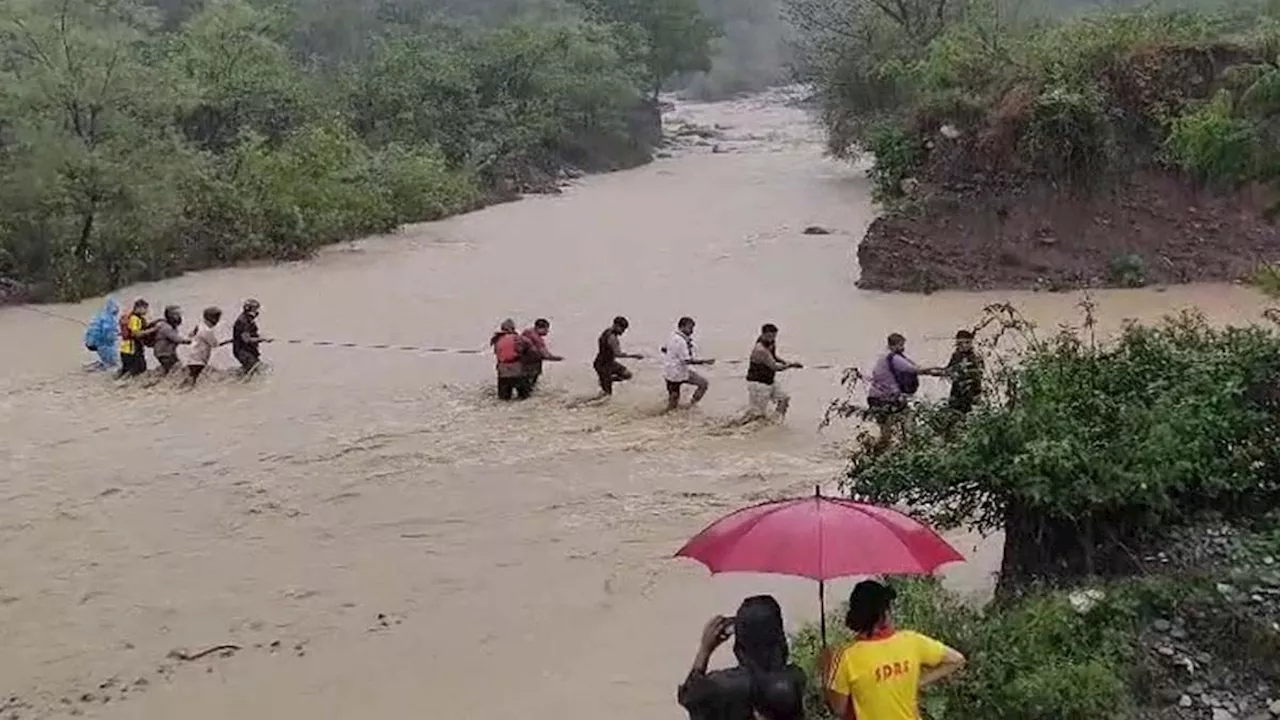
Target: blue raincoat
[103, 334]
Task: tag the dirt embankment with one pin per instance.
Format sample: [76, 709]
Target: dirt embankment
[1034, 191]
[1153, 227]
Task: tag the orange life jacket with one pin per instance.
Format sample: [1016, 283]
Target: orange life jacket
[507, 348]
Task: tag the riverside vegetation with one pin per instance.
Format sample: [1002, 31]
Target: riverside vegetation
[139, 141]
[1109, 148]
[1136, 483]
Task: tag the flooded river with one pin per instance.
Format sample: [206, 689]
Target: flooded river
[383, 539]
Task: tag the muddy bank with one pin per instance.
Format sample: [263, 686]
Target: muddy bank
[1152, 228]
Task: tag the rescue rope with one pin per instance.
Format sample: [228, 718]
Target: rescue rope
[425, 349]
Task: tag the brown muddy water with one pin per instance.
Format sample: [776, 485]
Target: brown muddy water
[382, 538]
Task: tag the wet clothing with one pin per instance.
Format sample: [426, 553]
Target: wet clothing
[892, 377]
[965, 369]
[535, 352]
[608, 375]
[517, 386]
[760, 396]
[131, 327]
[133, 364]
[608, 369]
[881, 675]
[605, 354]
[167, 342]
[758, 372]
[103, 335]
[246, 353]
[509, 352]
[193, 371]
[203, 343]
[677, 355]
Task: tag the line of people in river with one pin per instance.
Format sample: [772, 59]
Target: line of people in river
[520, 356]
[876, 676]
[121, 341]
[894, 379]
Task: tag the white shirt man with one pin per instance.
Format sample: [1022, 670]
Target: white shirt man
[678, 356]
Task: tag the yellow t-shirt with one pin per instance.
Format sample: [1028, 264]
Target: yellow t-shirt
[882, 675]
[135, 325]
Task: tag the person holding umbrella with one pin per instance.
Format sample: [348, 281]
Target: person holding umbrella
[878, 676]
[763, 686]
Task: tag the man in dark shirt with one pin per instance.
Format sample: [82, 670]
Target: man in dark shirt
[965, 370]
[608, 351]
[764, 684]
[168, 339]
[245, 338]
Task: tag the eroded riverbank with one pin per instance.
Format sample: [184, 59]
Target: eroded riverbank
[521, 546]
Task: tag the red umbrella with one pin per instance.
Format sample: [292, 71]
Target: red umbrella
[820, 538]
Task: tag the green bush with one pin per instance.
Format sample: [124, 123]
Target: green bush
[1086, 449]
[1214, 145]
[1069, 135]
[896, 154]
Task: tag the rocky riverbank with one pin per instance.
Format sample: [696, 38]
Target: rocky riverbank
[1153, 227]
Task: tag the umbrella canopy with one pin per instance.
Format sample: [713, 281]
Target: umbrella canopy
[819, 538]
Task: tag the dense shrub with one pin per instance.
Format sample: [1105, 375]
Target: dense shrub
[1215, 146]
[1097, 94]
[1087, 449]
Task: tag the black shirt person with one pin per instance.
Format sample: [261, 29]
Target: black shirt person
[762, 685]
[965, 370]
[608, 350]
[245, 337]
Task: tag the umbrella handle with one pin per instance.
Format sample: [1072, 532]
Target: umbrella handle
[822, 609]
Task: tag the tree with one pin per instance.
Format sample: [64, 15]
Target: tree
[1089, 450]
[89, 163]
[676, 35]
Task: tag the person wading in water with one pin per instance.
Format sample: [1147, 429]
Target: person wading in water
[509, 349]
[763, 388]
[894, 379]
[168, 339]
[965, 370]
[678, 355]
[135, 334]
[245, 339]
[608, 351]
[537, 352]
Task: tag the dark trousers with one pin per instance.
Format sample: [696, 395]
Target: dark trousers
[518, 387]
[132, 364]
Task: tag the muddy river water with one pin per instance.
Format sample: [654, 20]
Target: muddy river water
[381, 537]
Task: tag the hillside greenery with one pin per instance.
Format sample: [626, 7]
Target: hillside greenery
[139, 141]
[989, 88]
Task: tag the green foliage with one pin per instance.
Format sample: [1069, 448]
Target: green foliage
[1072, 100]
[1128, 270]
[129, 152]
[1089, 447]
[1068, 133]
[1213, 144]
[897, 154]
[674, 35]
[1267, 279]
[1038, 656]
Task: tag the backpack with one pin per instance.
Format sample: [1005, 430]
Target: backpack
[507, 348]
[908, 382]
